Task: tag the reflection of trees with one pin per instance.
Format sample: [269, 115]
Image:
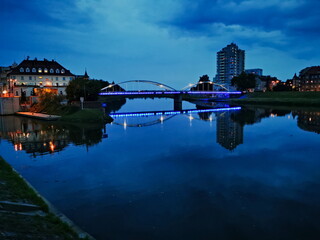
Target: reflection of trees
[308, 121]
[39, 137]
[204, 115]
[114, 104]
[249, 116]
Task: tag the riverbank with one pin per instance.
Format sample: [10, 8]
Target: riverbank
[26, 215]
[311, 99]
[74, 114]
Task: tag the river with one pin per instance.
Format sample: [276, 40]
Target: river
[249, 173]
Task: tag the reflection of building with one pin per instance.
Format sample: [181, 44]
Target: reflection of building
[308, 121]
[32, 76]
[41, 137]
[230, 63]
[28, 135]
[229, 132]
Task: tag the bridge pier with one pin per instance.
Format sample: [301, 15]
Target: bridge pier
[177, 102]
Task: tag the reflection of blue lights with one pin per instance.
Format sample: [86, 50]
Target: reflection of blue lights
[164, 92]
[145, 114]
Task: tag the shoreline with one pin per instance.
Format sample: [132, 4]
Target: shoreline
[21, 202]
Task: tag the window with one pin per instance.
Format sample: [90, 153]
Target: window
[57, 78]
[57, 71]
[27, 69]
[22, 78]
[34, 70]
[62, 70]
[51, 70]
[40, 70]
[30, 78]
[70, 78]
[45, 70]
[21, 70]
[63, 78]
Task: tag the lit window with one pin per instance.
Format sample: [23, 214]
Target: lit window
[27, 69]
[57, 71]
[40, 70]
[62, 70]
[34, 70]
[51, 70]
[45, 70]
[21, 70]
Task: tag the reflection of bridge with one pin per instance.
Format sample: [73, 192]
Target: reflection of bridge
[167, 113]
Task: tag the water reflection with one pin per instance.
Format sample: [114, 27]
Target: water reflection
[308, 121]
[40, 138]
[247, 174]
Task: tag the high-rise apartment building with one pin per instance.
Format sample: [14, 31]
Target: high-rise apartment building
[230, 63]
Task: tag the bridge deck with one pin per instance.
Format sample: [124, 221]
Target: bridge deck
[157, 93]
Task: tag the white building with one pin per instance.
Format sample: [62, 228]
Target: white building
[34, 76]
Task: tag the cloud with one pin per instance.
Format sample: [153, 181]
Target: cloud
[170, 40]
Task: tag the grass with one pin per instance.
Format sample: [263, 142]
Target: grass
[15, 188]
[14, 225]
[311, 99]
[86, 115]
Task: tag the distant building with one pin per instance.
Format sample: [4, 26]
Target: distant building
[255, 71]
[308, 80]
[33, 76]
[84, 76]
[3, 77]
[295, 83]
[266, 83]
[230, 63]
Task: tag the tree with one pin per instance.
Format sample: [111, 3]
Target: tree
[244, 81]
[82, 87]
[204, 78]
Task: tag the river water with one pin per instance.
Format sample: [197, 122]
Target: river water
[249, 173]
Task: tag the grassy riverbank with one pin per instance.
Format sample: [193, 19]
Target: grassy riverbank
[25, 215]
[281, 98]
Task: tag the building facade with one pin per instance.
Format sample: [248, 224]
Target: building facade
[33, 76]
[230, 63]
[255, 71]
[309, 79]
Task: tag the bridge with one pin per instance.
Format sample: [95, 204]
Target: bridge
[209, 91]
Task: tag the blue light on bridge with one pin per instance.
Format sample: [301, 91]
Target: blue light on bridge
[160, 113]
[165, 92]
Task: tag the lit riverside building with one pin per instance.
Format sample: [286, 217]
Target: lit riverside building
[230, 63]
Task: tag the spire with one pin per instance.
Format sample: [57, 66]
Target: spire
[85, 76]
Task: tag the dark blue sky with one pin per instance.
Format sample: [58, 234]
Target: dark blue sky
[171, 41]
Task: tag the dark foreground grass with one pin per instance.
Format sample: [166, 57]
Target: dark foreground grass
[311, 99]
[19, 225]
[87, 115]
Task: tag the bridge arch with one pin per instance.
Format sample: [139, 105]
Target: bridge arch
[161, 85]
[189, 86]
